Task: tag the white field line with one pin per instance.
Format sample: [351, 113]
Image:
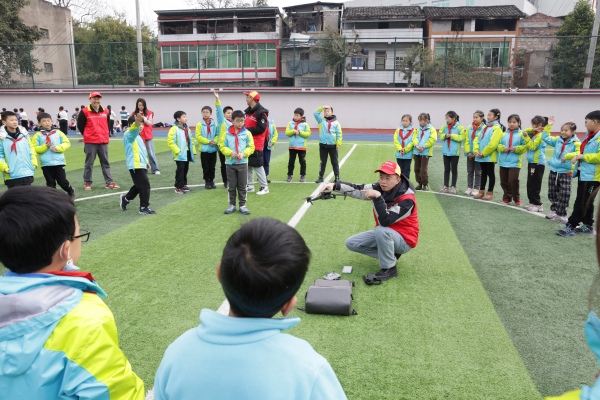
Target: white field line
[224, 308]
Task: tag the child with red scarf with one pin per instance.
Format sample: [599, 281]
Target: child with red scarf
[18, 160]
[452, 136]
[182, 145]
[208, 137]
[298, 131]
[473, 168]
[404, 146]
[587, 171]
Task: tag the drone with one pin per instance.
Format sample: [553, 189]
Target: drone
[325, 195]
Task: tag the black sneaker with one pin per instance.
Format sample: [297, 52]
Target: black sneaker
[212, 185]
[225, 185]
[385, 274]
[207, 185]
[186, 189]
[147, 211]
[419, 187]
[124, 202]
[320, 180]
[268, 181]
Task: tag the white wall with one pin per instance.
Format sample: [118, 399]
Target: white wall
[366, 109]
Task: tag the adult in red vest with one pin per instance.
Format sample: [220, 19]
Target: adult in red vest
[146, 133]
[396, 219]
[92, 122]
[257, 123]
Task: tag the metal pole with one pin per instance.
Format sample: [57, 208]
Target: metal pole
[562, 74]
[199, 64]
[112, 72]
[139, 44]
[74, 65]
[294, 64]
[71, 61]
[154, 61]
[256, 65]
[242, 57]
[502, 62]
[31, 67]
[445, 61]
[394, 77]
[344, 64]
[592, 51]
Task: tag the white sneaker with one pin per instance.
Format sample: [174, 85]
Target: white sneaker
[474, 191]
[249, 188]
[469, 192]
[562, 220]
[444, 189]
[263, 190]
[529, 207]
[535, 208]
[551, 215]
[452, 190]
[157, 173]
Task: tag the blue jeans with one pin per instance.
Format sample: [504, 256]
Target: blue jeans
[151, 155]
[382, 243]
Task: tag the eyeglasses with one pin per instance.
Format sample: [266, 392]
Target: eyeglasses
[85, 236]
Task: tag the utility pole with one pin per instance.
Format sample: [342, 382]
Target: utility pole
[139, 44]
[592, 51]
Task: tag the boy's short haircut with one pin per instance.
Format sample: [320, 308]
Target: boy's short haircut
[34, 222]
[207, 108]
[43, 115]
[131, 119]
[299, 111]
[61, 108]
[238, 114]
[20, 109]
[595, 115]
[227, 108]
[6, 114]
[122, 107]
[178, 115]
[15, 110]
[263, 266]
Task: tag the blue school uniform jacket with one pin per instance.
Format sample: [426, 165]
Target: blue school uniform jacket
[487, 142]
[589, 167]
[273, 134]
[244, 358]
[179, 145]
[136, 156]
[470, 134]
[17, 155]
[330, 130]
[56, 138]
[227, 144]
[403, 140]
[298, 141]
[562, 148]
[451, 146]
[514, 139]
[537, 147]
[203, 136]
[425, 136]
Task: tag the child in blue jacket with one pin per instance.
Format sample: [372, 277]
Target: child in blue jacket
[452, 136]
[18, 159]
[207, 134]
[298, 131]
[473, 168]
[269, 145]
[566, 147]
[510, 150]
[330, 140]
[423, 140]
[403, 141]
[536, 161]
[224, 357]
[51, 145]
[182, 145]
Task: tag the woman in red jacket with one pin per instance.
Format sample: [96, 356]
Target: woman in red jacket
[146, 134]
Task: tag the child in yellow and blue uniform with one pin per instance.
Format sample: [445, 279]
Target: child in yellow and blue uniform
[58, 338]
[207, 134]
[587, 169]
[536, 161]
[223, 117]
[423, 140]
[182, 146]
[403, 141]
[51, 145]
[298, 131]
[473, 168]
[452, 136]
[566, 147]
[330, 140]
[18, 159]
[511, 148]
[136, 157]
[485, 148]
[270, 143]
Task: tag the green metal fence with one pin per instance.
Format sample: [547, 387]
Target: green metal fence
[436, 62]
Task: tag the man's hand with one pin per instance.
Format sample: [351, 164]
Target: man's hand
[328, 186]
[139, 119]
[371, 194]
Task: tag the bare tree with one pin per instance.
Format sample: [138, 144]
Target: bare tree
[82, 10]
[207, 4]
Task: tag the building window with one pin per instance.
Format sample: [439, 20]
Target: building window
[547, 67]
[45, 33]
[179, 57]
[177, 28]
[458, 25]
[481, 54]
[383, 25]
[399, 63]
[304, 56]
[219, 56]
[48, 67]
[470, 3]
[360, 60]
[441, 3]
[380, 60]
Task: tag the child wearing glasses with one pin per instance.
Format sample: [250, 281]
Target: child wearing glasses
[57, 335]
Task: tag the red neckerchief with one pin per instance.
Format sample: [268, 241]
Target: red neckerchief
[449, 129]
[187, 135]
[77, 274]
[422, 132]
[298, 123]
[48, 134]
[586, 140]
[564, 143]
[484, 130]
[208, 125]
[329, 122]
[235, 135]
[407, 135]
[474, 130]
[13, 146]
[510, 137]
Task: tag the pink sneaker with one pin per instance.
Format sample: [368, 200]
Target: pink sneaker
[87, 186]
[112, 185]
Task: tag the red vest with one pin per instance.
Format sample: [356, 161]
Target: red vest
[146, 132]
[259, 140]
[407, 227]
[96, 126]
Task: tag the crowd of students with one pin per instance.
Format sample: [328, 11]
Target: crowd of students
[488, 142]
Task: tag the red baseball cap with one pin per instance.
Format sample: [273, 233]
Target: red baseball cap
[389, 168]
[95, 94]
[254, 94]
